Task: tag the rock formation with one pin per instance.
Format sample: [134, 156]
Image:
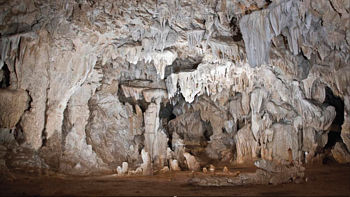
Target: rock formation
[267, 173]
[87, 85]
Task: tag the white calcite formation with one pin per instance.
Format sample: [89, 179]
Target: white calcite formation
[209, 79]
[174, 165]
[146, 166]
[155, 138]
[123, 169]
[168, 84]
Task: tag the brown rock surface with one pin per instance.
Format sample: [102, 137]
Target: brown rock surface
[13, 103]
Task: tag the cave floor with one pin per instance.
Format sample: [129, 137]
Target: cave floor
[325, 180]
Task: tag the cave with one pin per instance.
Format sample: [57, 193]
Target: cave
[335, 129]
[5, 80]
[174, 98]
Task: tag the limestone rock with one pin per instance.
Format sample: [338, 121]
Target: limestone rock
[165, 169]
[112, 128]
[138, 171]
[174, 165]
[124, 169]
[191, 161]
[284, 138]
[246, 146]
[340, 153]
[13, 103]
[155, 138]
[204, 80]
[76, 118]
[268, 173]
[190, 126]
[226, 170]
[86, 85]
[146, 165]
[345, 131]
[205, 170]
[211, 168]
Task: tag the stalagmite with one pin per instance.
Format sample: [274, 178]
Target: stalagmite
[211, 168]
[174, 165]
[225, 170]
[146, 165]
[205, 170]
[145, 87]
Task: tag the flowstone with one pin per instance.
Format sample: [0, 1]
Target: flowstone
[88, 85]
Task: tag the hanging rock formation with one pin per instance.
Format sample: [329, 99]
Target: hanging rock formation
[87, 85]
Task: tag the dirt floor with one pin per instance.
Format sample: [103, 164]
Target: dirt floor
[326, 180]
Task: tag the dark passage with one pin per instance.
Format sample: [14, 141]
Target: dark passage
[338, 103]
[5, 82]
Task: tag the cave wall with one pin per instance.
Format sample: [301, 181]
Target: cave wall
[85, 84]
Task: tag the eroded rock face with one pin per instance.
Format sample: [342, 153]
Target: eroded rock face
[13, 103]
[87, 85]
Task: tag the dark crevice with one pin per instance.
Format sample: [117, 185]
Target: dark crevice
[18, 134]
[335, 129]
[123, 99]
[254, 7]
[91, 105]
[44, 138]
[166, 115]
[336, 102]
[181, 65]
[268, 2]
[5, 82]
[285, 41]
[208, 130]
[139, 139]
[166, 111]
[333, 138]
[66, 127]
[29, 104]
[335, 10]
[236, 31]
[16, 28]
[44, 132]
